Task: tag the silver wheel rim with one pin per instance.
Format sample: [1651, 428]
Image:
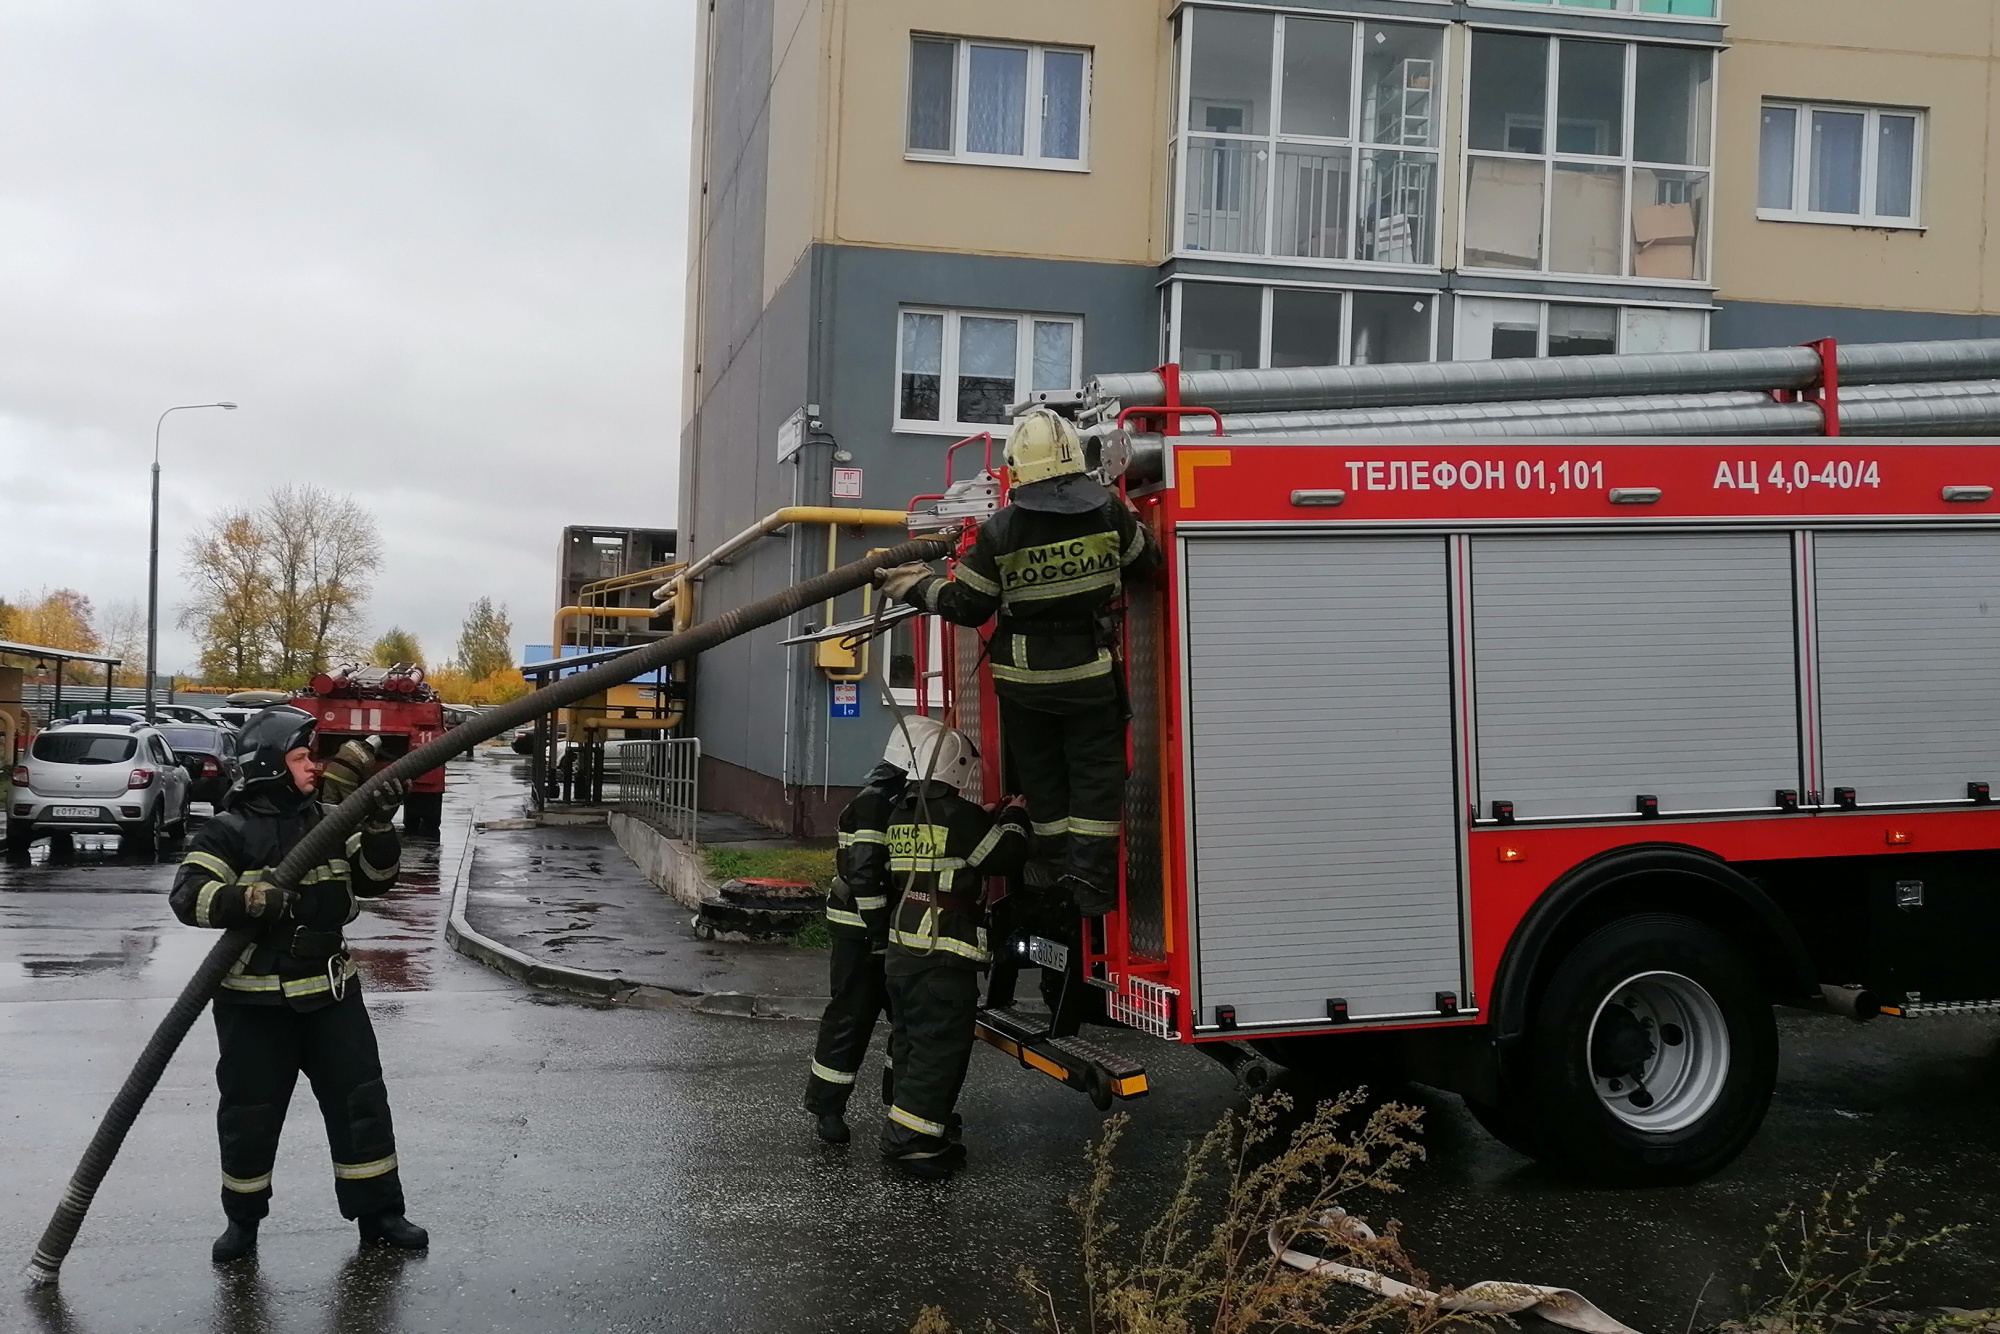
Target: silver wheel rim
[1658, 1051]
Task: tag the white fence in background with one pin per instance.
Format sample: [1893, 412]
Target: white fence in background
[659, 781]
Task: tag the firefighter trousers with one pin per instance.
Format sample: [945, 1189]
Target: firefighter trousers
[860, 993]
[931, 1044]
[264, 1050]
[1068, 759]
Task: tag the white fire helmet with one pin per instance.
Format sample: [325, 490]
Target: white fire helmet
[1043, 445]
[932, 750]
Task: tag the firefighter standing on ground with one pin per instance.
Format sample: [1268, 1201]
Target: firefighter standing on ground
[1051, 563]
[941, 850]
[857, 917]
[292, 1002]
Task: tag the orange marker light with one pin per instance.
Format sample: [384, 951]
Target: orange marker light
[1512, 855]
[1896, 836]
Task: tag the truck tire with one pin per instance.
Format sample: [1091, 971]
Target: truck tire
[1651, 1057]
[423, 813]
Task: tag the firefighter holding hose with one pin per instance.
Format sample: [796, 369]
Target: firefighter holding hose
[857, 917]
[1051, 563]
[292, 1001]
[942, 848]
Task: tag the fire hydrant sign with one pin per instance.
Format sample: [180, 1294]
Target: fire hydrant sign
[847, 483]
[845, 701]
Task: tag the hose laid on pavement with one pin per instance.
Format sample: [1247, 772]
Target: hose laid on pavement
[330, 835]
[1558, 1306]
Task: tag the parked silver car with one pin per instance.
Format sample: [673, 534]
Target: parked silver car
[98, 778]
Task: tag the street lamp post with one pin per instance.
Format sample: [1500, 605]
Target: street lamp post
[153, 557]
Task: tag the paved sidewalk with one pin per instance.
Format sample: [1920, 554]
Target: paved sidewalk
[570, 910]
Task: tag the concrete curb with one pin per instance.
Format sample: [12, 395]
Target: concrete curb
[607, 988]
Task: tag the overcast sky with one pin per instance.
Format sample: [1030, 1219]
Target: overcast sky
[434, 249]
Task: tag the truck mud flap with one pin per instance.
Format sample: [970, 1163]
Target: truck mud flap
[1084, 1066]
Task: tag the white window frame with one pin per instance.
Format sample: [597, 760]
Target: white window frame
[1551, 158]
[1542, 317]
[1031, 129]
[1624, 9]
[1871, 153]
[1024, 351]
[1187, 32]
[1346, 292]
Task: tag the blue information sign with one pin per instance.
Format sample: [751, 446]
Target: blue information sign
[845, 701]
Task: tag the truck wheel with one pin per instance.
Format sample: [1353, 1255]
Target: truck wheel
[1652, 1056]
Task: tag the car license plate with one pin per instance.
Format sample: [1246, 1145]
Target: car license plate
[72, 812]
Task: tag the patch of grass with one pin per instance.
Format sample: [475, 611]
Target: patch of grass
[813, 864]
[1822, 1265]
[1207, 1263]
[814, 936]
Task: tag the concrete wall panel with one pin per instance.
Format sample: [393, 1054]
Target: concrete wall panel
[1110, 213]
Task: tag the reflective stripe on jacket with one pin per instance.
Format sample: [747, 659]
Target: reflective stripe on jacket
[227, 868]
[941, 849]
[1058, 570]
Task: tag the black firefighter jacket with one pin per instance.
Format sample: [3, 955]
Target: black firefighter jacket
[858, 908]
[941, 849]
[1050, 576]
[299, 961]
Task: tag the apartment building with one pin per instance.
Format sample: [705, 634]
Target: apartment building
[908, 215]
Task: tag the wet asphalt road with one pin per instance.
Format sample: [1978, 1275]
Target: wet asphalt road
[614, 1170]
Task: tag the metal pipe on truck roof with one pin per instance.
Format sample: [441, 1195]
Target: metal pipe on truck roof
[1266, 423]
[1953, 409]
[1319, 388]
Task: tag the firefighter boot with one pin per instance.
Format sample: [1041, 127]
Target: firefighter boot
[1091, 900]
[237, 1240]
[387, 1229]
[927, 1158]
[833, 1129]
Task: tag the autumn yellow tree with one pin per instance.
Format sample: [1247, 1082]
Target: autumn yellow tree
[56, 618]
[228, 563]
[396, 647]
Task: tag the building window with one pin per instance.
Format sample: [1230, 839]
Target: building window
[1494, 329]
[1588, 157]
[1687, 9]
[1234, 326]
[1308, 138]
[959, 370]
[998, 103]
[1840, 164]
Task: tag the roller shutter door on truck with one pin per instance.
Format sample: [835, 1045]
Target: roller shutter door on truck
[1611, 666]
[1324, 847]
[1909, 663]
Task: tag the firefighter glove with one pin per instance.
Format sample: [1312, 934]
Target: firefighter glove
[270, 903]
[898, 581]
[386, 798]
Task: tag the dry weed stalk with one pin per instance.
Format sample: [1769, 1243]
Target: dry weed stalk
[1830, 1275]
[1222, 1277]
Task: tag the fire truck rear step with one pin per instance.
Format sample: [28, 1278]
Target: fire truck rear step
[1081, 1065]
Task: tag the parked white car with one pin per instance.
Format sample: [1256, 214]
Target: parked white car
[98, 778]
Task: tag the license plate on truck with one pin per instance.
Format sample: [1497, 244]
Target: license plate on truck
[72, 812]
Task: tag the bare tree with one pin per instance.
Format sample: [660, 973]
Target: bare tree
[121, 630]
[228, 562]
[324, 550]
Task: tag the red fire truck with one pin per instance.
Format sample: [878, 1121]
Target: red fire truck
[393, 705]
[1546, 769]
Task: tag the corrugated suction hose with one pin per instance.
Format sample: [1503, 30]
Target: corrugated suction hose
[330, 835]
